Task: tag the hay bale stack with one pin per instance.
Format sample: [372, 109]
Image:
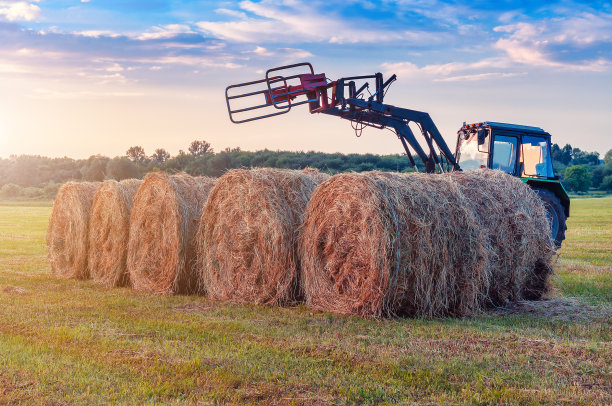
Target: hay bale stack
[517, 231]
[68, 232]
[378, 244]
[248, 235]
[164, 219]
[109, 228]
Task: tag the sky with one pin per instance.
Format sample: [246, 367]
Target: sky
[86, 77]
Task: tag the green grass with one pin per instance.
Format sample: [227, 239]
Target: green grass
[585, 263]
[73, 342]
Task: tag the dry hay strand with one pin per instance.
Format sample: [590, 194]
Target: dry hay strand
[68, 232]
[164, 219]
[109, 228]
[518, 234]
[317, 174]
[248, 235]
[381, 244]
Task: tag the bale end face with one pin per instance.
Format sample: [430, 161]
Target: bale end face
[163, 223]
[516, 232]
[109, 232]
[248, 232]
[68, 231]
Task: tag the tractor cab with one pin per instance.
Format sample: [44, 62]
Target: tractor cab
[515, 149]
[521, 151]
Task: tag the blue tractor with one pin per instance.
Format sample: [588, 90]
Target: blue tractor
[521, 151]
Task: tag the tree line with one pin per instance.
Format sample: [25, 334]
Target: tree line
[37, 176]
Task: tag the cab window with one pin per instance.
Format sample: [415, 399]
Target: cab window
[535, 157]
[472, 152]
[504, 153]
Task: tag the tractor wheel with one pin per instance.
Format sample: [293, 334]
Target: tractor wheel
[555, 213]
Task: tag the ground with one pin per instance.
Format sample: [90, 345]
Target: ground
[73, 342]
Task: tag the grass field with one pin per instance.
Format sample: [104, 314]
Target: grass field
[73, 342]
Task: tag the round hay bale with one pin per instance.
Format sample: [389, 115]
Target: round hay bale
[109, 228]
[164, 219]
[381, 244]
[517, 231]
[68, 232]
[248, 235]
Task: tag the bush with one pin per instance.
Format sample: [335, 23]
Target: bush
[578, 178]
[606, 183]
[32, 192]
[49, 191]
[11, 190]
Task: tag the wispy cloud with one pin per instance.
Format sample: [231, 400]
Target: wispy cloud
[295, 21]
[283, 54]
[51, 94]
[166, 31]
[109, 57]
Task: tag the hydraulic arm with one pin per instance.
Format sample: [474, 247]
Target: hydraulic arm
[276, 94]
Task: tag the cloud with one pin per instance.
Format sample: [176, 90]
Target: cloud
[96, 33]
[110, 60]
[231, 13]
[295, 21]
[577, 43]
[51, 94]
[454, 71]
[19, 10]
[480, 76]
[115, 67]
[166, 31]
[285, 53]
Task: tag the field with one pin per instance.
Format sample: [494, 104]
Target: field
[73, 342]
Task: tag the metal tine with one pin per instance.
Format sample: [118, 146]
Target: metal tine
[284, 105]
[257, 117]
[252, 93]
[257, 107]
[248, 84]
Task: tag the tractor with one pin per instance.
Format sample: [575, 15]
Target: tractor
[521, 151]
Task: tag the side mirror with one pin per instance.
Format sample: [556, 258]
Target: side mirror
[482, 135]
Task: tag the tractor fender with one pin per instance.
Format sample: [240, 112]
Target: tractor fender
[555, 187]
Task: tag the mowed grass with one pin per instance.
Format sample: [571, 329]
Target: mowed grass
[73, 342]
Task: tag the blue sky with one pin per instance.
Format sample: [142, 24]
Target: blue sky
[86, 77]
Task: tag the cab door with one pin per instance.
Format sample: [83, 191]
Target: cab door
[505, 153]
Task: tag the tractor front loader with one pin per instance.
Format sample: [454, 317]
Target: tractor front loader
[521, 151]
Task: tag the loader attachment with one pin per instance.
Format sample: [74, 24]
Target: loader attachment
[293, 85]
[281, 89]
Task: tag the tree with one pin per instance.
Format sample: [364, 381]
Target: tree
[120, 168]
[578, 178]
[597, 174]
[10, 190]
[606, 183]
[199, 148]
[608, 158]
[160, 156]
[584, 158]
[94, 169]
[563, 155]
[136, 154]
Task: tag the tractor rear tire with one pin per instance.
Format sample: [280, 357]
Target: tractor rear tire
[555, 214]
